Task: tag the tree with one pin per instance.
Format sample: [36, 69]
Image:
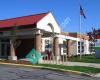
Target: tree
[93, 34]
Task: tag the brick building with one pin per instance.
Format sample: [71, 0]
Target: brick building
[19, 35]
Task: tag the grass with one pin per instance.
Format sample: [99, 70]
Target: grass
[74, 68]
[86, 58]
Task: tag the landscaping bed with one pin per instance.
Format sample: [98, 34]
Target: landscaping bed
[16, 62]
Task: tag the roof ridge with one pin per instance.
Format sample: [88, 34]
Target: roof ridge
[25, 16]
[23, 20]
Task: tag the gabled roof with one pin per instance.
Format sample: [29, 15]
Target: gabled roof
[20, 21]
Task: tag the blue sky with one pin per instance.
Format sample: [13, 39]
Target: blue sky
[66, 12]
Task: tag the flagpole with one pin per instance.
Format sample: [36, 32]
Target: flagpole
[79, 29]
[80, 24]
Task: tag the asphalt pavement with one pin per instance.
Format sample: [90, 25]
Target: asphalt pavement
[25, 73]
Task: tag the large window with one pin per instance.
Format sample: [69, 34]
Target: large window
[80, 47]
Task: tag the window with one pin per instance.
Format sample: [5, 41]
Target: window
[47, 45]
[64, 47]
[80, 47]
[46, 42]
[91, 49]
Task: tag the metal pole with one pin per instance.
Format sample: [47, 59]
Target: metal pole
[80, 35]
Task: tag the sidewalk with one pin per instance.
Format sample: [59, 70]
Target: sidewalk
[95, 65]
[83, 64]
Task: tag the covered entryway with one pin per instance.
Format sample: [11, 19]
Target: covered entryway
[24, 46]
[29, 31]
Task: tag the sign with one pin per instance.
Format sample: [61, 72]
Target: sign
[33, 56]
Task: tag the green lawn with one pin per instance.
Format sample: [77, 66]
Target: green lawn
[86, 58]
[74, 68]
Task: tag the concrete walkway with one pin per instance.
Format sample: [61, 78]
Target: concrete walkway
[85, 64]
[95, 65]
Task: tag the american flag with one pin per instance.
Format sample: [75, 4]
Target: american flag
[82, 13]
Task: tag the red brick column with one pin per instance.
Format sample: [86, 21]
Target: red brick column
[38, 42]
[68, 48]
[56, 47]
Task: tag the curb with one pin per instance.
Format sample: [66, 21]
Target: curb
[49, 68]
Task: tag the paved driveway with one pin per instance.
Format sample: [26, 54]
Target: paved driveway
[22, 73]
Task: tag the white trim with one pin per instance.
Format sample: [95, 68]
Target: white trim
[69, 37]
[43, 24]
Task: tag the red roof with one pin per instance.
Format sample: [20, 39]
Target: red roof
[98, 37]
[20, 21]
